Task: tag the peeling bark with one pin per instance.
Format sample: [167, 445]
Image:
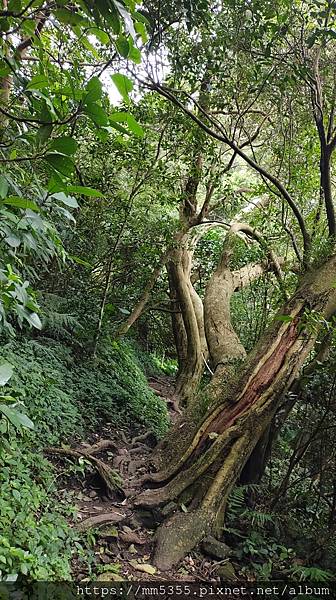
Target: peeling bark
[242, 411]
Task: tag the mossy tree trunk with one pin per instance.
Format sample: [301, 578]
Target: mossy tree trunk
[242, 408]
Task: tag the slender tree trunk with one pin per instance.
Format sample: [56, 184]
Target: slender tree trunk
[142, 302]
[191, 372]
[179, 332]
[224, 344]
[188, 327]
[243, 406]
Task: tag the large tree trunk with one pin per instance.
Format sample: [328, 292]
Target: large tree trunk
[242, 409]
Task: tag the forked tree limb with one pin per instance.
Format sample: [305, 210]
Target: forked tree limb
[219, 134]
[143, 301]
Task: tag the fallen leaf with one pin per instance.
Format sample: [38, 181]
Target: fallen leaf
[127, 529]
[109, 576]
[146, 568]
[130, 537]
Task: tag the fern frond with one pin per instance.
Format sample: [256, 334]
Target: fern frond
[312, 574]
[56, 319]
[259, 519]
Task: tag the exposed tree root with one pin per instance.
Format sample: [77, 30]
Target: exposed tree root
[111, 478]
[177, 536]
[96, 448]
[142, 438]
[97, 520]
[180, 534]
[188, 476]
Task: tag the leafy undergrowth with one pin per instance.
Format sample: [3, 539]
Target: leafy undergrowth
[271, 544]
[65, 402]
[44, 503]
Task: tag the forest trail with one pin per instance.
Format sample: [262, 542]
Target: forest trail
[167, 199]
[164, 386]
[123, 535]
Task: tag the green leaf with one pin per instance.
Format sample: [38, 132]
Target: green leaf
[56, 184]
[33, 319]
[135, 55]
[3, 186]
[6, 372]
[19, 202]
[118, 127]
[284, 318]
[123, 84]
[101, 35]
[96, 114]
[80, 261]
[109, 11]
[68, 17]
[122, 46]
[87, 44]
[4, 24]
[85, 191]
[8, 399]
[13, 241]
[141, 30]
[65, 145]
[140, 17]
[67, 200]
[4, 68]
[29, 27]
[124, 117]
[15, 5]
[39, 82]
[62, 164]
[126, 17]
[43, 133]
[94, 89]
[16, 418]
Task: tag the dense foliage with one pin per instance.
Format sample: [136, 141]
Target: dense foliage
[64, 402]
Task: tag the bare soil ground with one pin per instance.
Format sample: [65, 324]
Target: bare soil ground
[123, 535]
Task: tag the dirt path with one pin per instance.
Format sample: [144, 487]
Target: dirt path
[164, 386]
[124, 536]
